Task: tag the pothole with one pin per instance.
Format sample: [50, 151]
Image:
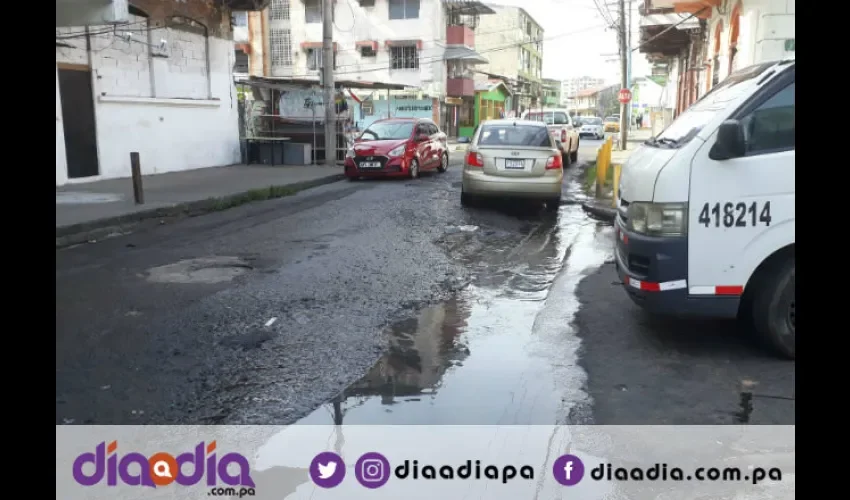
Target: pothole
[208, 270]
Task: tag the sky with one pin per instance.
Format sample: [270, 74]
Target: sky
[576, 41]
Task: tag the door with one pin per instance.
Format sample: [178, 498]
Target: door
[435, 143]
[424, 147]
[743, 207]
[75, 89]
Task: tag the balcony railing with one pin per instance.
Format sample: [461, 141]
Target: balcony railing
[460, 87]
[460, 35]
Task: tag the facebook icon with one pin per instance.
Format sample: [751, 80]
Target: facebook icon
[568, 470]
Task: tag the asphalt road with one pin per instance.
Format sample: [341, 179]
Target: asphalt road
[384, 302]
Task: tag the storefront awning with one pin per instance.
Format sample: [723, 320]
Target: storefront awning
[465, 54]
[681, 21]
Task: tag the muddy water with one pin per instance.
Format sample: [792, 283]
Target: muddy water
[503, 351]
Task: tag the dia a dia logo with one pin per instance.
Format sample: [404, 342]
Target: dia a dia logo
[161, 469]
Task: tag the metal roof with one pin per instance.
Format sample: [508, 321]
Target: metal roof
[465, 54]
[470, 7]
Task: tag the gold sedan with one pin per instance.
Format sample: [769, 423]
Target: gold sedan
[513, 159]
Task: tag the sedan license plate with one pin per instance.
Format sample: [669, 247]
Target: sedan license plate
[514, 164]
[370, 164]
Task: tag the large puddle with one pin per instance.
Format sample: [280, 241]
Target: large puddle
[502, 352]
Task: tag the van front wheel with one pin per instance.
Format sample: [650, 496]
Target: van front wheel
[774, 309]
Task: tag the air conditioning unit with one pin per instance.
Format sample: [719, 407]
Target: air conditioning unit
[91, 12]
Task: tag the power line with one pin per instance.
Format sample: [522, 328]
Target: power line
[440, 58]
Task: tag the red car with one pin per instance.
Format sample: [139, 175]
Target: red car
[397, 147]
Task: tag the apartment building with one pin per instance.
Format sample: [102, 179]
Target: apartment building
[551, 93]
[572, 86]
[427, 45]
[513, 42]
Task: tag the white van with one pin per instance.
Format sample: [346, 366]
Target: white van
[706, 217]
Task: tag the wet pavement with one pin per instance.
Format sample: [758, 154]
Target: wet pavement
[380, 302]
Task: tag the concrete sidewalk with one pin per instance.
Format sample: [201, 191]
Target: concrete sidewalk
[86, 209]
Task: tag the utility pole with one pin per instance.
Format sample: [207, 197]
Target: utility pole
[328, 81]
[624, 76]
[629, 61]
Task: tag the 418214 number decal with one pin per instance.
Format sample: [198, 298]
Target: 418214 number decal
[728, 214]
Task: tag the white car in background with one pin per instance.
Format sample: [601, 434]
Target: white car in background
[591, 126]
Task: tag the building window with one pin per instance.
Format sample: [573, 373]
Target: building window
[279, 10]
[404, 57]
[280, 43]
[241, 64]
[367, 3]
[312, 11]
[404, 9]
[367, 51]
[314, 59]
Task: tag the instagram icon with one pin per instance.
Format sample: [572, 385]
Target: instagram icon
[372, 470]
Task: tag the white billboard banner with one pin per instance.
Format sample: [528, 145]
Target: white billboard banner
[426, 462]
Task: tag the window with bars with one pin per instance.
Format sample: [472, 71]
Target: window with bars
[404, 9]
[280, 43]
[314, 59]
[404, 57]
[279, 10]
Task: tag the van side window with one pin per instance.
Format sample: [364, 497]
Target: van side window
[771, 126]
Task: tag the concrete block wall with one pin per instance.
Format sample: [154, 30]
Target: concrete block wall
[173, 110]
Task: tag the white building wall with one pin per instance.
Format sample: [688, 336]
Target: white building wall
[169, 109]
[354, 23]
[493, 34]
[764, 27]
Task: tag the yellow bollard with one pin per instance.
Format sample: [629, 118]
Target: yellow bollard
[602, 164]
[618, 169]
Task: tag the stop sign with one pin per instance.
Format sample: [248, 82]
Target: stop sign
[624, 96]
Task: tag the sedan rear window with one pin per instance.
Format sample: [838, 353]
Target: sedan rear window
[533, 136]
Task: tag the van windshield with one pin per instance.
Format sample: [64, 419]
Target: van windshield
[688, 124]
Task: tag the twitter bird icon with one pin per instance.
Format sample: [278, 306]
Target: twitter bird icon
[327, 469]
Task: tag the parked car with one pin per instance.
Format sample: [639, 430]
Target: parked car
[561, 126]
[397, 147]
[612, 124]
[591, 126]
[513, 159]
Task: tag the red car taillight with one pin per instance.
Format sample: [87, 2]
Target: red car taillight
[474, 160]
[554, 163]
[563, 135]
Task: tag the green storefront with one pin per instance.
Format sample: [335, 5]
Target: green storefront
[492, 99]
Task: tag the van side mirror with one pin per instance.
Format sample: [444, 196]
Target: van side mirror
[730, 142]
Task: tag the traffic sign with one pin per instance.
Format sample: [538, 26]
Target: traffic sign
[624, 96]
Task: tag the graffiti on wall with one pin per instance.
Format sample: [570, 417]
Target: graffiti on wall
[306, 104]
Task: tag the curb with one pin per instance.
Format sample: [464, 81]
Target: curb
[88, 231]
[598, 211]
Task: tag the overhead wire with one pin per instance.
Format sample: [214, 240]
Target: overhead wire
[441, 58]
